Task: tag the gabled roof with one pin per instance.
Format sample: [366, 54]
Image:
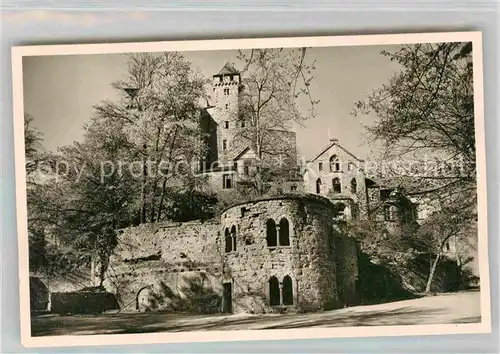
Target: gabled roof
[334, 142]
[227, 69]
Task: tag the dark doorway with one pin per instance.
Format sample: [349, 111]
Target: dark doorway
[274, 291]
[227, 298]
[287, 291]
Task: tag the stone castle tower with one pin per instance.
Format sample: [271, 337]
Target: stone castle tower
[230, 157]
[220, 120]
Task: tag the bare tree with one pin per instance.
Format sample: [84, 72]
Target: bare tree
[273, 82]
[426, 118]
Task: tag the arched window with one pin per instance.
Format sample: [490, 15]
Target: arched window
[287, 291]
[228, 241]
[354, 185]
[271, 236]
[284, 233]
[274, 291]
[336, 185]
[334, 164]
[318, 186]
[233, 237]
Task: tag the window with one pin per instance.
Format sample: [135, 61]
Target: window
[389, 212]
[334, 164]
[318, 186]
[354, 186]
[447, 246]
[350, 166]
[293, 188]
[226, 91]
[274, 291]
[242, 123]
[284, 233]
[224, 144]
[220, 78]
[226, 124]
[227, 105]
[231, 78]
[271, 233]
[337, 188]
[228, 241]
[287, 291]
[354, 212]
[340, 208]
[320, 166]
[233, 238]
[227, 181]
[246, 171]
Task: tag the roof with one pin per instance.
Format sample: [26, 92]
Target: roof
[332, 143]
[309, 197]
[227, 69]
[243, 152]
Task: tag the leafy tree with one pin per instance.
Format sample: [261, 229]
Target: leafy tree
[134, 162]
[159, 110]
[34, 155]
[450, 222]
[425, 124]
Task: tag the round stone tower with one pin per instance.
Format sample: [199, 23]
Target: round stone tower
[279, 255]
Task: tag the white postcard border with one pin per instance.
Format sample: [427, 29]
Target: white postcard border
[226, 44]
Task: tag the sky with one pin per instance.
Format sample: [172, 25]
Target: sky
[60, 91]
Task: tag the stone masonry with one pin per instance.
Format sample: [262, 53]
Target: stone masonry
[160, 266]
[227, 265]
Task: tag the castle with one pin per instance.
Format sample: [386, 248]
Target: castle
[231, 155]
[281, 253]
[288, 252]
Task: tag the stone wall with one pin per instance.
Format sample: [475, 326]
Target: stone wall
[188, 267]
[166, 267]
[347, 267]
[308, 259]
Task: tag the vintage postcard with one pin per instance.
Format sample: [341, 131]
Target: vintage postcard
[251, 189]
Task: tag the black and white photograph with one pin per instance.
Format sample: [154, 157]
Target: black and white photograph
[295, 185]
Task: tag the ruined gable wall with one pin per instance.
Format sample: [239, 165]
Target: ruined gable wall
[166, 266]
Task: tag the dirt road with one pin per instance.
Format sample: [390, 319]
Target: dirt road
[463, 307]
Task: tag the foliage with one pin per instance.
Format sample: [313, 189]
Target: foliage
[159, 111]
[425, 119]
[425, 122]
[133, 163]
